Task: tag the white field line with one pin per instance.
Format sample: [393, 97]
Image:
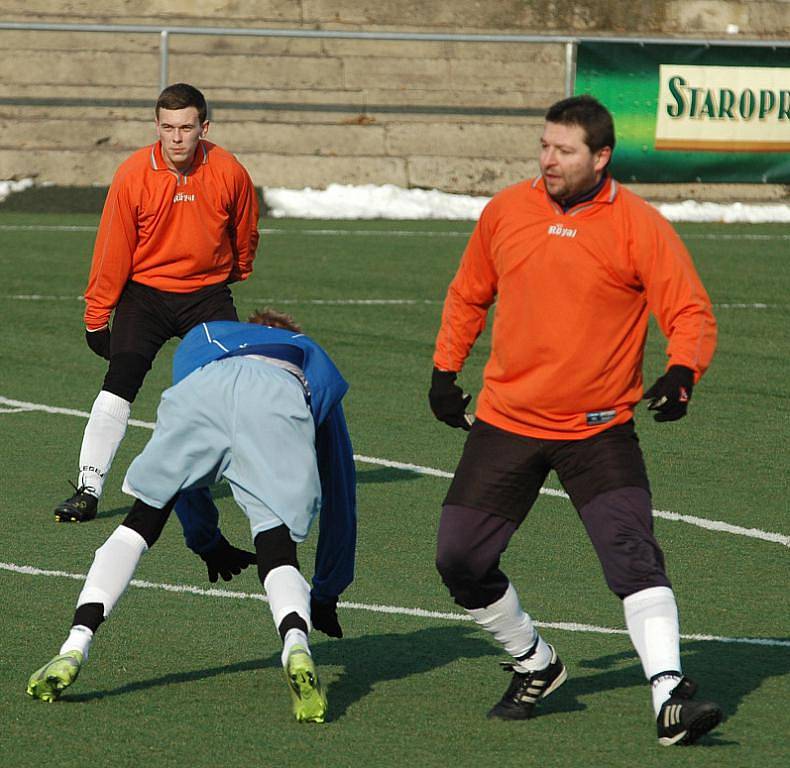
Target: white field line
[566, 626]
[340, 232]
[700, 522]
[262, 231]
[343, 302]
[364, 232]
[42, 297]
[46, 228]
[735, 236]
[348, 302]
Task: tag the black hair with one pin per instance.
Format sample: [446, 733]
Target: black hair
[180, 96]
[588, 113]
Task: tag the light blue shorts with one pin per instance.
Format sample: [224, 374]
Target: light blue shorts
[244, 420]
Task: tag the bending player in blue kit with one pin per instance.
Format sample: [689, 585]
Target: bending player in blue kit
[258, 404]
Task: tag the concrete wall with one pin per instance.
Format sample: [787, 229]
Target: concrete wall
[462, 117]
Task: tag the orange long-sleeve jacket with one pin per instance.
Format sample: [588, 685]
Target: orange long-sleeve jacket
[573, 292]
[173, 231]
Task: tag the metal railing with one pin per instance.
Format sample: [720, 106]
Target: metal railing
[569, 41]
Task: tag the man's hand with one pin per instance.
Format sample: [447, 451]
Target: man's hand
[226, 561]
[669, 396]
[99, 341]
[448, 401]
[323, 615]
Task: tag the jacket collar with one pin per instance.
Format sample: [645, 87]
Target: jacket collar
[158, 161]
[605, 191]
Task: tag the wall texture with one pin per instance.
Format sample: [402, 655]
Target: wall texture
[462, 117]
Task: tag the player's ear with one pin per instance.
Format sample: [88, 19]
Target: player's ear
[204, 129]
[602, 158]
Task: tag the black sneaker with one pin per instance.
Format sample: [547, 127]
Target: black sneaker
[526, 688]
[682, 720]
[80, 508]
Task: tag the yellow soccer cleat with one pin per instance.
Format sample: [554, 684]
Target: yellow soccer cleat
[54, 677]
[307, 696]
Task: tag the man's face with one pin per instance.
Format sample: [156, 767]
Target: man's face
[566, 162]
[179, 130]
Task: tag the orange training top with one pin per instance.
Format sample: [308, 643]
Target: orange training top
[172, 231]
[573, 292]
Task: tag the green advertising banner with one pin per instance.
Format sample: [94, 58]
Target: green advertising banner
[686, 113]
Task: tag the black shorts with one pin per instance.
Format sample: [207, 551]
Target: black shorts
[146, 318]
[502, 473]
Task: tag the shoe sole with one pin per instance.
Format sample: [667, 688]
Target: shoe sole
[309, 702]
[62, 516]
[81, 511]
[706, 722]
[558, 681]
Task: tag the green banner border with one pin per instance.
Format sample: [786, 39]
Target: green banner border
[625, 77]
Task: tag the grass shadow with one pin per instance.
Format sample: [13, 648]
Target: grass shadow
[177, 678]
[385, 475]
[365, 661]
[371, 659]
[726, 673]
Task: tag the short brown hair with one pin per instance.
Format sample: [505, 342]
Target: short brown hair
[273, 318]
[181, 96]
[590, 115]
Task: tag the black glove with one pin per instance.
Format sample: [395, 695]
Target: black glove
[448, 401]
[670, 395]
[323, 615]
[99, 341]
[226, 561]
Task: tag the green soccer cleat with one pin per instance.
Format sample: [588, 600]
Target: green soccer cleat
[54, 677]
[307, 696]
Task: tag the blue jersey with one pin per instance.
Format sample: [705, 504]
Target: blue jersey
[324, 388]
[223, 338]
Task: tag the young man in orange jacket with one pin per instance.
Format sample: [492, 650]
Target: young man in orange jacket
[180, 224]
[575, 264]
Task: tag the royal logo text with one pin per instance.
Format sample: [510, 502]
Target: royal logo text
[560, 231]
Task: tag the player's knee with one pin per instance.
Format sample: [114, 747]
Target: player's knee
[126, 374]
[457, 564]
[275, 548]
[472, 582]
[148, 521]
[450, 560]
[635, 565]
[619, 523]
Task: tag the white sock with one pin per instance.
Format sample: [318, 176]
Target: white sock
[512, 627]
[103, 434]
[661, 688]
[288, 592]
[293, 637]
[651, 616]
[113, 568]
[79, 639]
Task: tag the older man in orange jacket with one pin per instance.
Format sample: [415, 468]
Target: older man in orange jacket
[179, 224]
[575, 264]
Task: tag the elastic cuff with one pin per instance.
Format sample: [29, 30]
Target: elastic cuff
[206, 549]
